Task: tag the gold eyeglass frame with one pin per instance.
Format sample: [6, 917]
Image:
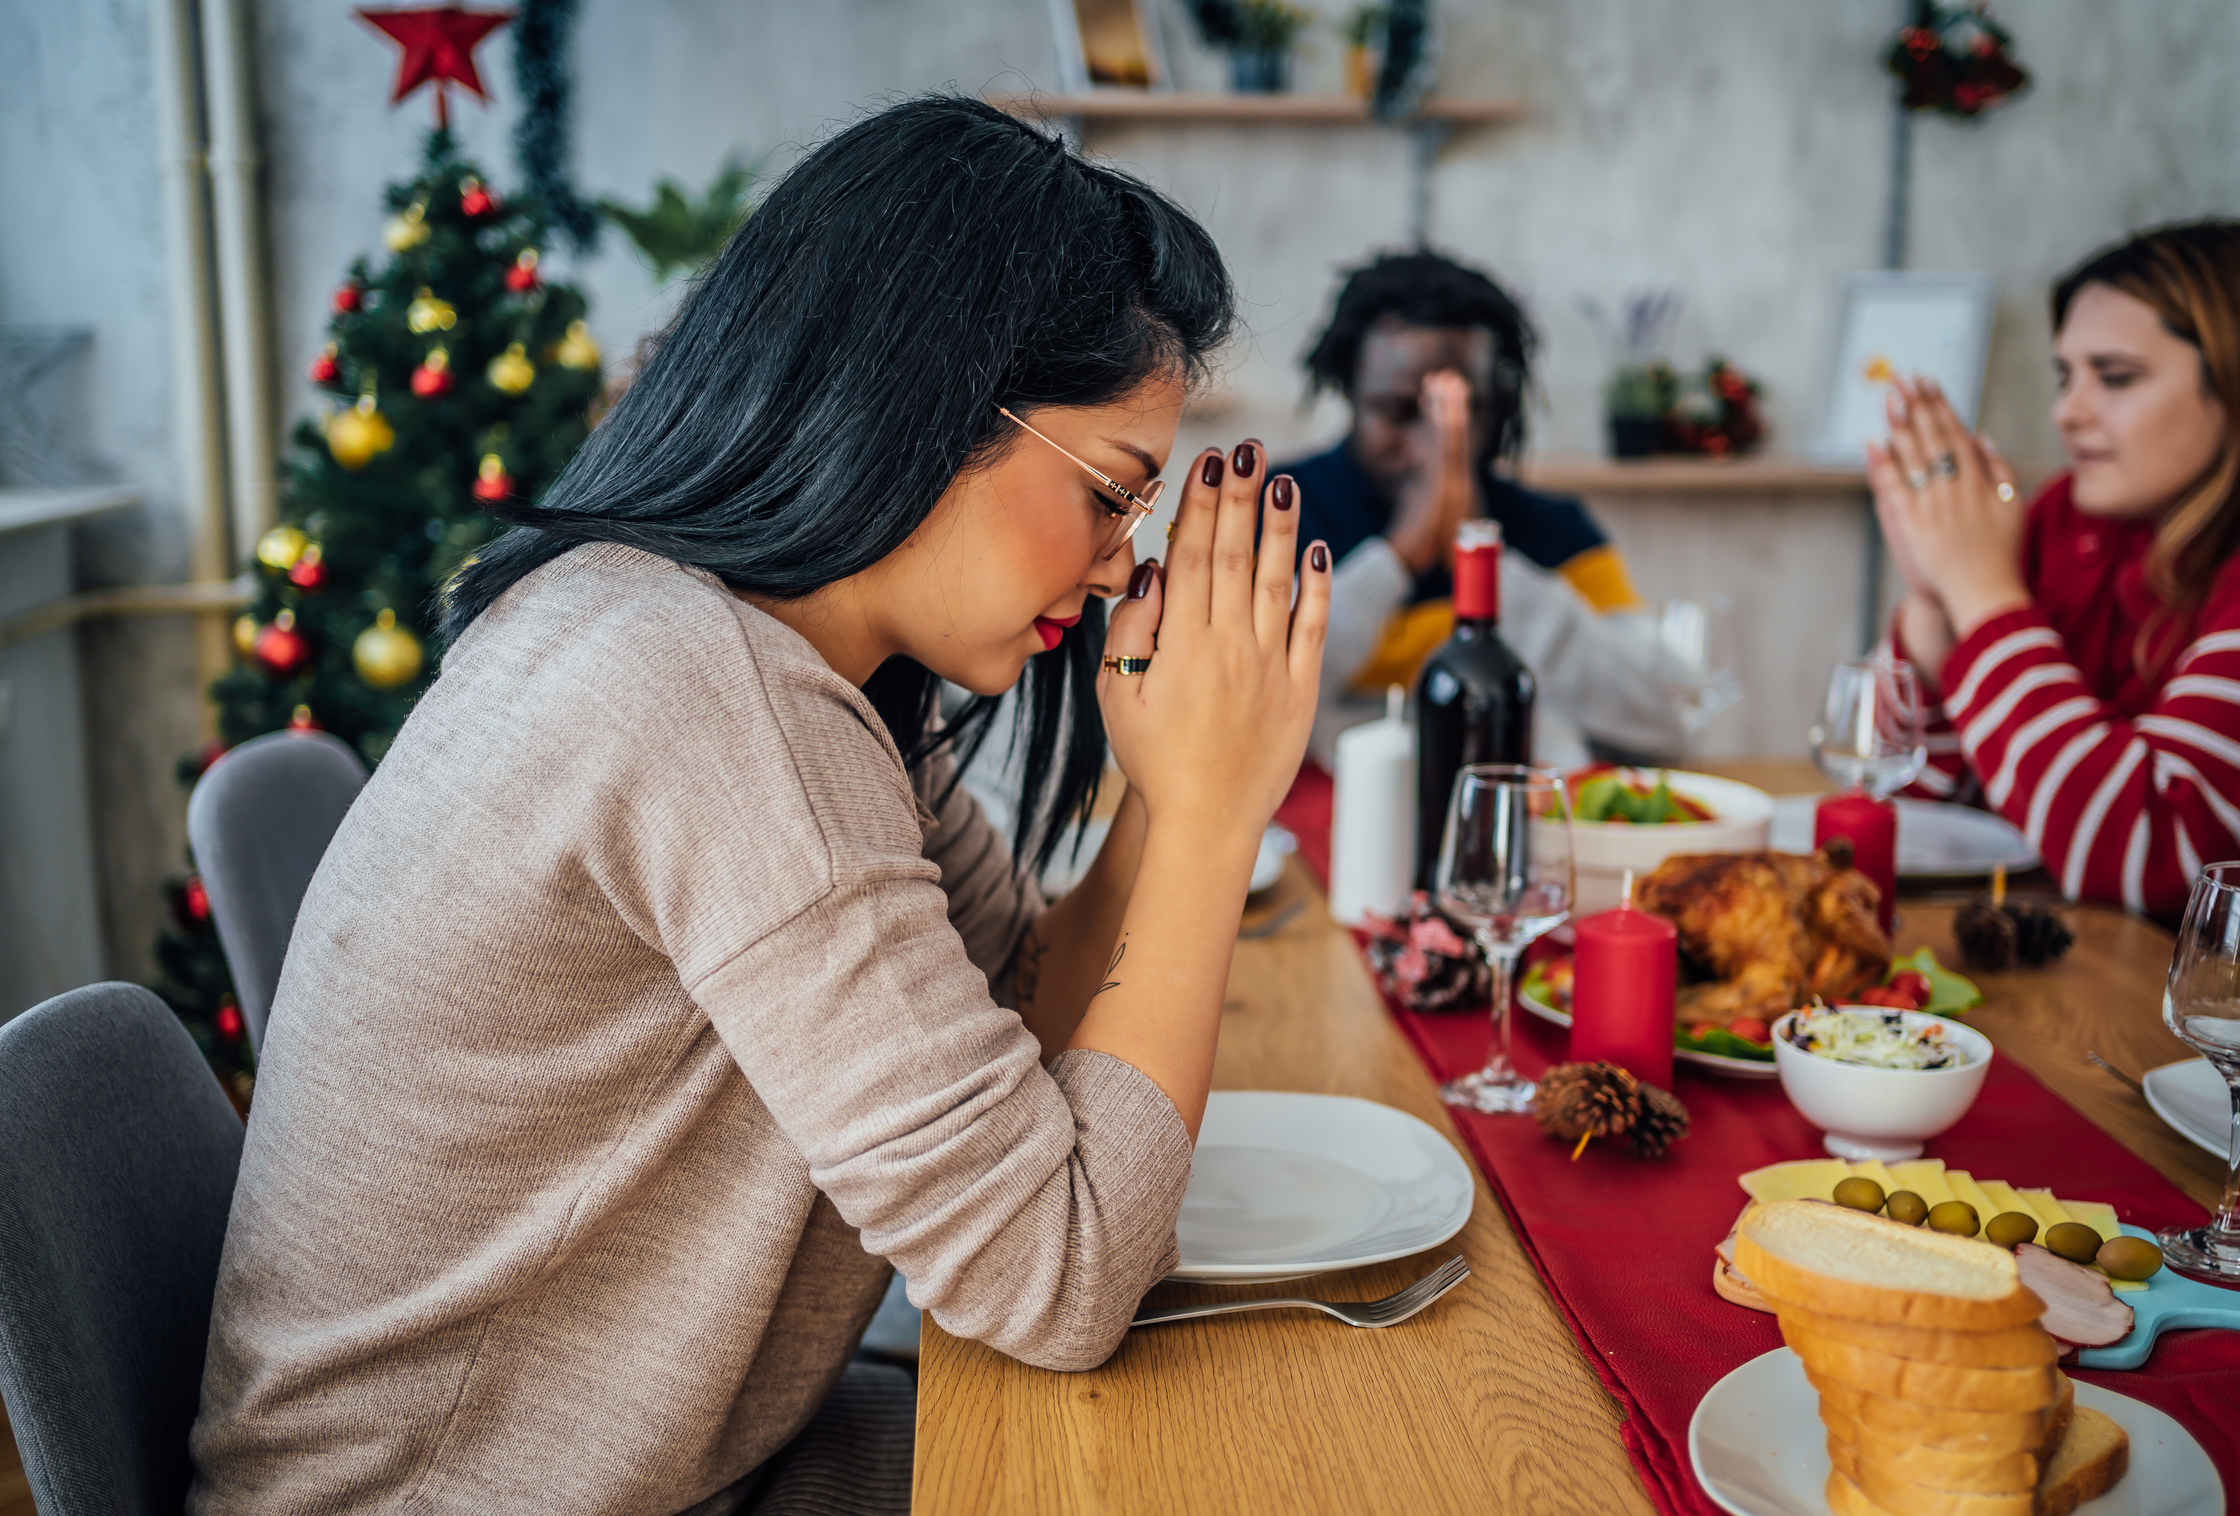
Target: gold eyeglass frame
[1139, 506]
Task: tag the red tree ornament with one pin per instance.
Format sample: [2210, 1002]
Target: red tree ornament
[281, 648]
[433, 378]
[474, 200]
[326, 369]
[492, 483]
[438, 48]
[229, 1021]
[348, 298]
[522, 277]
[196, 899]
[309, 573]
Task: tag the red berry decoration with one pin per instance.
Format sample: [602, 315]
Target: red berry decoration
[492, 483]
[474, 200]
[196, 899]
[433, 378]
[309, 572]
[522, 277]
[348, 298]
[325, 369]
[229, 1021]
[300, 720]
[281, 648]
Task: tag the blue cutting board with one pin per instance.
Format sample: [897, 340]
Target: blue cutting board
[2170, 1300]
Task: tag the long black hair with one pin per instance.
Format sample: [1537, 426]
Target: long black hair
[1426, 289]
[843, 360]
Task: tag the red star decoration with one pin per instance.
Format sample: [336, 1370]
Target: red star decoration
[438, 48]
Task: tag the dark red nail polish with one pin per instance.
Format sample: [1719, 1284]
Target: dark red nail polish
[1211, 473]
[1245, 460]
[1283, 492]
[1139, 583]
[1320, 558]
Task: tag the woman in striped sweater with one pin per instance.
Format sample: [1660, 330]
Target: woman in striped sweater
[2085, 648]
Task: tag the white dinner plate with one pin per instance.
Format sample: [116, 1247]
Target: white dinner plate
[1718, 1063]
[1286, 1185]
[2193, 1098]
[1935, 840]
[1067, 867]
[1759, 1449]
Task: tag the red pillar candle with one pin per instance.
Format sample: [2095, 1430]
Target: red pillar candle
[1621, 996]
[1872, 827]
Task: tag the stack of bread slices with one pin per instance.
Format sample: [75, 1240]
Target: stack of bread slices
[1937, 1384]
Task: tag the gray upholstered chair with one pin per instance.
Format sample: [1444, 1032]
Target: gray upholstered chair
[118, 1153]
[259, 821]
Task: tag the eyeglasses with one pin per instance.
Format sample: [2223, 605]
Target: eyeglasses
[1131, 513]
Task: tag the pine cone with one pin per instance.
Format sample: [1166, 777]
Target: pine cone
[1662, 1122]
[1987, 935]
[2040, 935]
[1578, 1100]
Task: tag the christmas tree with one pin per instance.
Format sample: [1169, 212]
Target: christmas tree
[460, 379]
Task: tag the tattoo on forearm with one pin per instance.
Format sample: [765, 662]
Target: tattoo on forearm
[1026, 967]
[1111, 983]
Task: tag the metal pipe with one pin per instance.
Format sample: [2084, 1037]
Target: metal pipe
[198, 410]
[244, 310]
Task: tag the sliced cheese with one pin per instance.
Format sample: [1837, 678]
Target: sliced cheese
[2101, 1218]
[1805, 1179]
[1872, 1169]
[2050, 1211]
[2003, 1198]
[1964, 1187]
[1925, 1177]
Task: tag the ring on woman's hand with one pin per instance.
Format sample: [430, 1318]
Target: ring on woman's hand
[1115, 664]
[1945, 466]
[2005, 492]
[1918, 479]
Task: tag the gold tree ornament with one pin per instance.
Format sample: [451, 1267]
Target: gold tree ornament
[407, 229]
[511, 371]
[280, 547]
[427, 313]
[360, 434]
[386, 655]
[245, 631]
[578, 349]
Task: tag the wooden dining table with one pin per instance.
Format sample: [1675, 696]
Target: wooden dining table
[1484, 1402]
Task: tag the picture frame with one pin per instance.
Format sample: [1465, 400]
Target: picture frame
[1108, 44]
[1901, 322]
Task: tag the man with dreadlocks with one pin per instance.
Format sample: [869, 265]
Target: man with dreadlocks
[1434, 359]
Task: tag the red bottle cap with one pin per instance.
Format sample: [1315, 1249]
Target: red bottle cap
[1477, 571]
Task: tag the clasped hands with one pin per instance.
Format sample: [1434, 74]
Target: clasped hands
[1950, 512]
[1440, 493]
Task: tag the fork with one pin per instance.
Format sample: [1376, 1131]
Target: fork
[1390, 1311]
[2106, 1067]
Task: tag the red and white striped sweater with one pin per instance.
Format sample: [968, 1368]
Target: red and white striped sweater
[2125, 786]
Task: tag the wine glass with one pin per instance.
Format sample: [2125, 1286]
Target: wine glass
[2201, 1004]
[1505, 870]
[1870, 733]
[1699, 634]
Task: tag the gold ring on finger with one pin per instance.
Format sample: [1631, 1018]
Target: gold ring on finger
[2005, 492]
[1918, 479]
[1945, 466]
[1116, 664]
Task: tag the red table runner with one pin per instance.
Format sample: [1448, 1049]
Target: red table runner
[1625, 1247]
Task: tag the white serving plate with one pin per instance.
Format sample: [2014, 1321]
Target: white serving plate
[1718, 1063]
[2193, 1098]
[1601, 851]
[1758, 1447]
[1935, 840]
[1286, 1185]
[1067, 868]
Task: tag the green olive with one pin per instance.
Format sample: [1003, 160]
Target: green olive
[2011, 1229]
[2073, 1240]
[1954, 1216]
[1860, 1195]
[2130, 1258]
[1906, 1206]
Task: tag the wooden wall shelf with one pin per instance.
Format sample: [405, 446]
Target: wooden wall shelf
[1134, 105]
[1760, 474]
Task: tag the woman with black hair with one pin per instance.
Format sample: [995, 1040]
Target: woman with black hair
[653, 996]
[1435, 360]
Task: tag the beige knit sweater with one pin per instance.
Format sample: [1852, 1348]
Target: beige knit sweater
[638, 1014]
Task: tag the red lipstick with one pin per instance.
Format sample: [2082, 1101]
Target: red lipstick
[1051, 629]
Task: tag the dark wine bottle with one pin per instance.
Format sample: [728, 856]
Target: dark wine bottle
[1474, 696]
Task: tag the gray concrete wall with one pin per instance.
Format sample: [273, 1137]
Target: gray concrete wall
[1734, 149]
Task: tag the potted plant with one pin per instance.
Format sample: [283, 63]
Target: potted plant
[1642, 386]
[1258, 35]
[1363, 33]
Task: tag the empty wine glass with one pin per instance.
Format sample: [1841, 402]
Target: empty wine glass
[2201, 1004]
[1870, 734]
[1505, 870]
[1700, 636]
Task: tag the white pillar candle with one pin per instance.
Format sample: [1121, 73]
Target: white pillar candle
[1372, 820]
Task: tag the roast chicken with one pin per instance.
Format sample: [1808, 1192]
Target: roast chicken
[1767, 931]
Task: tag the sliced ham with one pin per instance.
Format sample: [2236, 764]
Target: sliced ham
[2080, 1308]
